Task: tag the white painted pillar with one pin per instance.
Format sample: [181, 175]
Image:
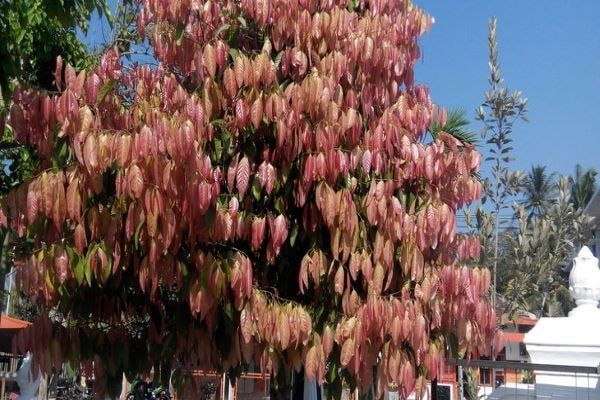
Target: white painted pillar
[26, 381]
[573, 341]
[310, 389]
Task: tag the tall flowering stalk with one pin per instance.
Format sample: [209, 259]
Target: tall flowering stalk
[500, 110]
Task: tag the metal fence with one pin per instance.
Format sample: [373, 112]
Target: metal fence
[520, 380]
[8, 373]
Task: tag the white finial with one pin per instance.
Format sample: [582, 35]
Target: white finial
[585, 252]
[584, 284]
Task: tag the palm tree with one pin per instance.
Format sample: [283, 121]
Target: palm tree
[539, 190]
[583, 186]
[456, 125]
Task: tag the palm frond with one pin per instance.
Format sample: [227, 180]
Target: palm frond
[456, 125]
[583, 186]
[539, 190]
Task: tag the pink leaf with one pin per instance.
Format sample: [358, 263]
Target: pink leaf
[243, 176]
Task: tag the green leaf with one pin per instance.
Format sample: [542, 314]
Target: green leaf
[294, 234]
[423, 206]
[218, 149]
[59, 157]
[179, 33]
[222, 28]
[256, 188]
[242, 21]
[184, 269]
[87, 272]
[226, 142]
[333, 388]
[77, 262]
[104, 7]
[138, 230]
[229, 319]
[453, 343]
[279, 206]
[107, 268]
[107, 87]
[209, 217]
[233, 53]
[278, 58]
[353, 5]
[285, 173]
[284, 84]
[79, 270]
[48, 280]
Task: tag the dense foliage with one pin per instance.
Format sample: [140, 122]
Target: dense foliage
[265, 195]
[34, 32]
[531, 243]
[537, 252]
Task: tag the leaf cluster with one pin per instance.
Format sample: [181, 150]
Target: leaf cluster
[34, 32]
[536, 255]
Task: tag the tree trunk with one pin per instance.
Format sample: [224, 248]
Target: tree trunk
[280, 387]
[290, 387]
[298, 385]
[43, 389]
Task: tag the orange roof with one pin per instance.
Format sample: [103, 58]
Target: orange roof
[515, 337]
[526, 321]
[7, 322]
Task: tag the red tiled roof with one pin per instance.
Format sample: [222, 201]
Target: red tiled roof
[7, 322]
[515, 337]
[526, 321]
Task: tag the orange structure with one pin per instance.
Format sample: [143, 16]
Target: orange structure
[514, 350]
[9, 326]
[208, 385]
[255, 385]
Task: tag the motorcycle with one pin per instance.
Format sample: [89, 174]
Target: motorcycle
[72, 393]
[68, 389]
[161, 393]
[142, 390]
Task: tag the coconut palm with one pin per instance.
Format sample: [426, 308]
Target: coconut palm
[539, 189]
[583, 186]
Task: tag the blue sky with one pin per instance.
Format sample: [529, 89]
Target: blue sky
[550, 50]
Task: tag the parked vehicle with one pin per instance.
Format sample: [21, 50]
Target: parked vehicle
[142, 390]
[69, 389]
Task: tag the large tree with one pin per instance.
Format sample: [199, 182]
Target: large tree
[263, 195]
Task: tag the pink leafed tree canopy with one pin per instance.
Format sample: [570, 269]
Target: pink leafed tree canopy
[268, 193]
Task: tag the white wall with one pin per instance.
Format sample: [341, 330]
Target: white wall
[513, 353]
